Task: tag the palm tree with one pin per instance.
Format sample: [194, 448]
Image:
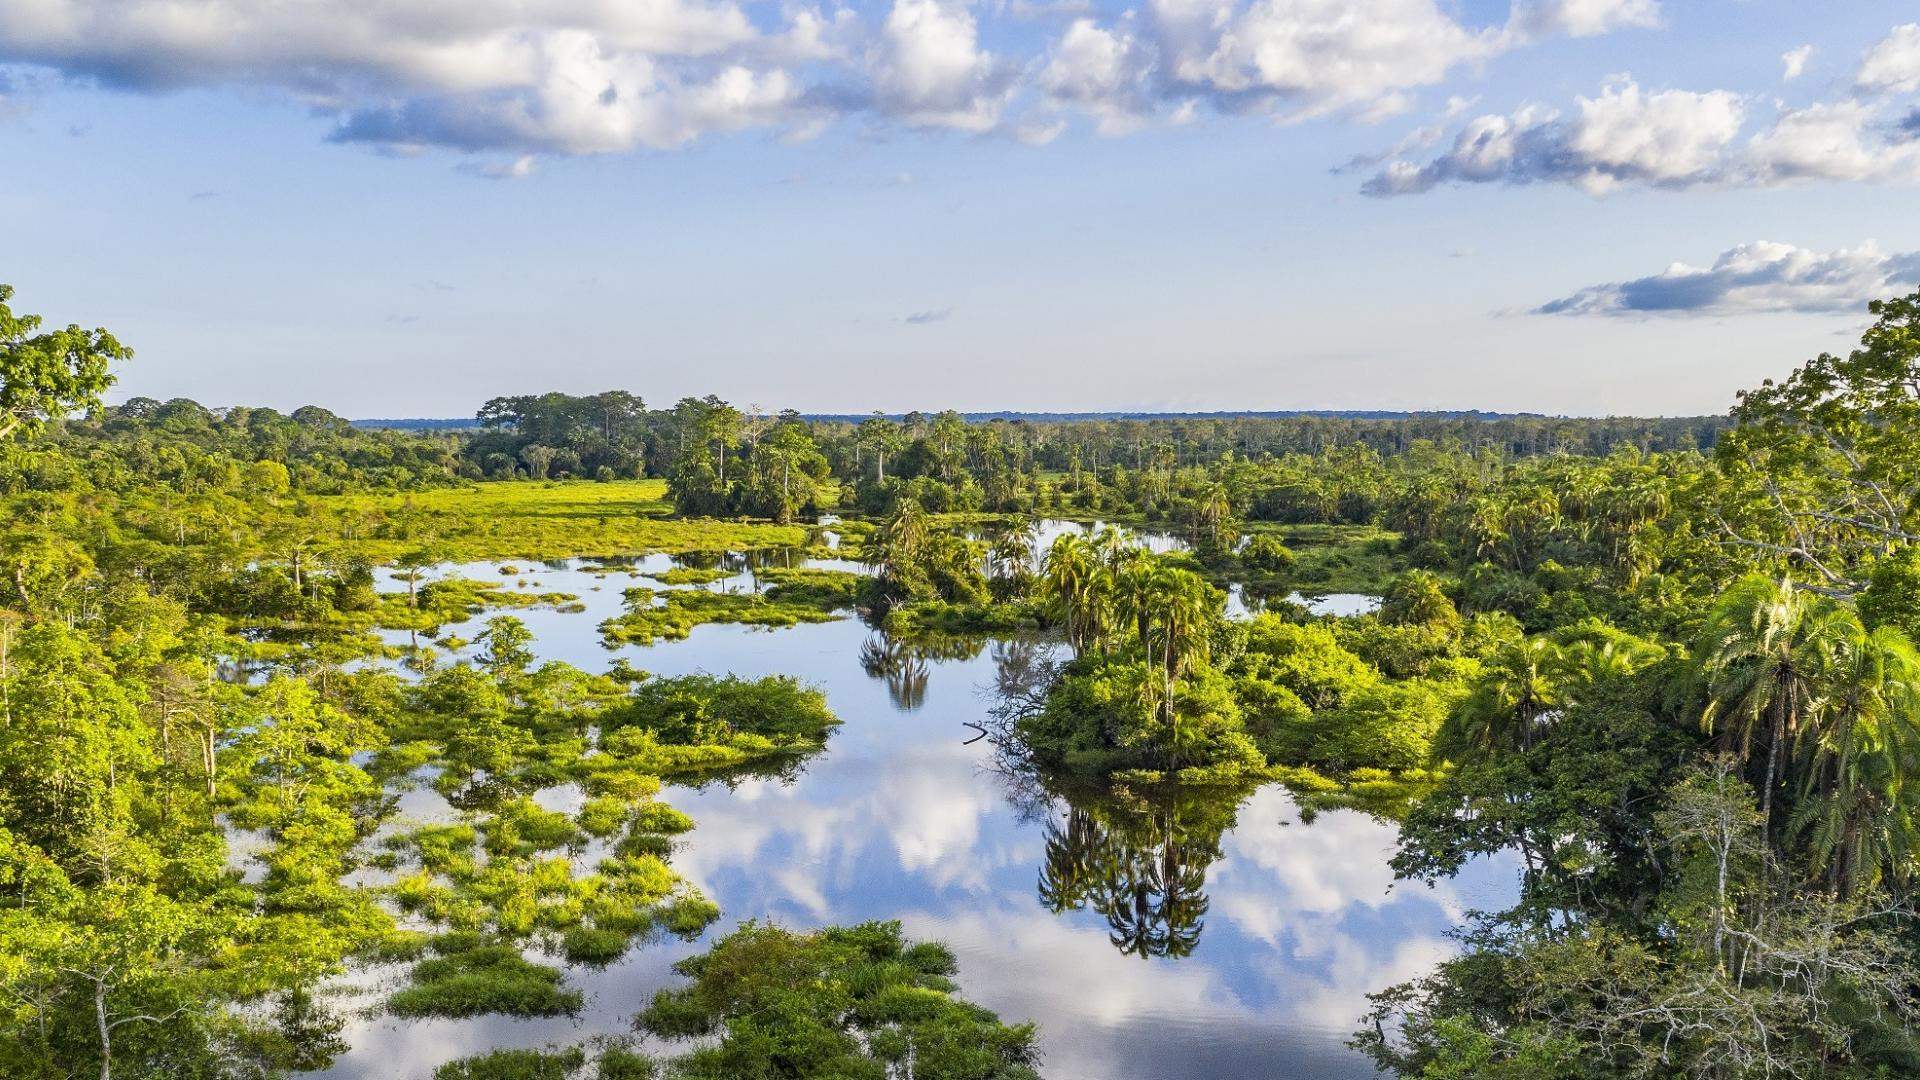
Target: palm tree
[1011, 557]
[1520, 686]
[1135, 594]
[1187, 607]
[1766, 654]
[1855, 815]
[1077, 591]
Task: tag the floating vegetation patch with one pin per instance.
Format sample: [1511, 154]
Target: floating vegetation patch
[854, 1001]
[651, 616]
[515, 1065]
[470, 977]
[691, 575]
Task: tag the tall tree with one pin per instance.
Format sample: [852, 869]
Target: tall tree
[45, 375]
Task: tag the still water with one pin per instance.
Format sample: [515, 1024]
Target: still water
[1255, 964]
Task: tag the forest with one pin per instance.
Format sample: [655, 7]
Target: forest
[1659, 673]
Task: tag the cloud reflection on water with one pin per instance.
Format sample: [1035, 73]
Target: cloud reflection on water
[899, 818]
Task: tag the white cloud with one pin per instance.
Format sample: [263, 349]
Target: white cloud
[1103, 72]
[1836, 141]
[1894, 63]
[1758, 277]
[1793, 63]
[929, 69]
[567, 77]
[1671, 138]
[1314, 57]
[517, 77]
[516, 169]
[1585, 18]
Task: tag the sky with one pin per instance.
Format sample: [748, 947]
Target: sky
[405, 207]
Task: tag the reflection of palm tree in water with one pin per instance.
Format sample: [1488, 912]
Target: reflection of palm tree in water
[904, 670]
[1141, 863]
[904, 664]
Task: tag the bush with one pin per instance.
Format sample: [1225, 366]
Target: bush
[1265, 554]
[593, 946]
[1101, 718]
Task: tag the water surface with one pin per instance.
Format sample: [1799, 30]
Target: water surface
[1255, 962]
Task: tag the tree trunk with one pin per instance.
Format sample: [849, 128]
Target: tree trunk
[1773, 763]
[106, 1032]
[208, 760]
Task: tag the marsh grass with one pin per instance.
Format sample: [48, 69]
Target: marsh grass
[515, 1064]
[469, 979]
[535, 520]
[680, 611]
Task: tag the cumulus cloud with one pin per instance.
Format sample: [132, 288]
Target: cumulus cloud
[563, 77]
[1793, 63]
[1831, 141]
[1758, 277]
[1893, 64]
[1104, 72]
[507, 78]
[922, 318]
[1314, 57]
[930, 71]
[1671, 138]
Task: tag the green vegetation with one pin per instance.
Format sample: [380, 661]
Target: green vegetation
[473, 979]
[550, 520]
[826, 590]
[691, 575]
[672, 615]
[1669, 665]
[515, 1065]
[841, 1002]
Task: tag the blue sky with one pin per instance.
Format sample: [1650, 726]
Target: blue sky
[406, 207]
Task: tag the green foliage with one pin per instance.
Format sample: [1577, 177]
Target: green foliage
[1892, 595]
[514, 1065]
[1103, 716]
[1265, 554]
[917, 562]
[842, 1002]
[1417, 598]
[1309, 661]
[46, 375]
[679, 611]
[478, 979]
[826, 590]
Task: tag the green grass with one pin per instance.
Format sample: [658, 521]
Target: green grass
[514, 1065]
[525, 519]
[691, 575]
[483, 979]
[1338, 558]
[642, 624]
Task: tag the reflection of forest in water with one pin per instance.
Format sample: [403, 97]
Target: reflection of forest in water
[1139, 860]
[905, 664]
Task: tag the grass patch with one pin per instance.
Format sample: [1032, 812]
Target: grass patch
[826, 590]
[1337, 558]
[523, 519]
[691, 575]
[645, 622]
[481, 979]
[515, 1065]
